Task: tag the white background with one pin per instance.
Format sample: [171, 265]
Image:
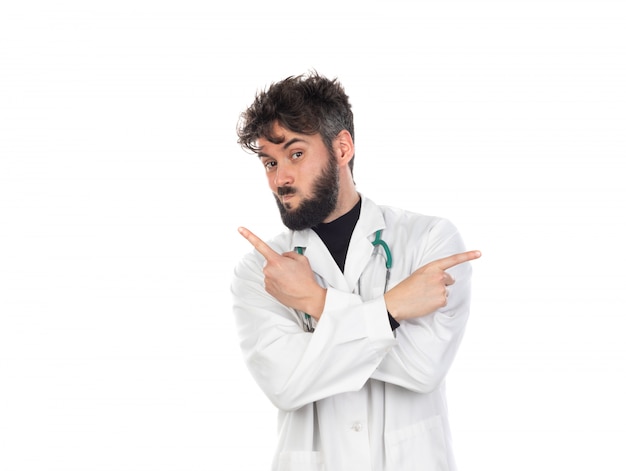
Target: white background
[121, 188]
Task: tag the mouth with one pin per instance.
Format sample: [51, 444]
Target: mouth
[285, 194]
[286, 201]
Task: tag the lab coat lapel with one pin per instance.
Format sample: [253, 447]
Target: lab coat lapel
[361, 248]
[322, 262]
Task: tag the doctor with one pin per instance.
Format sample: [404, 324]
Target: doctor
[349, 337]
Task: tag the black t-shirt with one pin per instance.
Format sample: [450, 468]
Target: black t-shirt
[336, 234]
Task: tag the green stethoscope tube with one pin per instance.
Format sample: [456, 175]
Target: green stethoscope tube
[307, 317]
[383, 244]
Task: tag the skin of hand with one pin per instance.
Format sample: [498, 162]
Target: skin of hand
[424, 291]
[289, 278]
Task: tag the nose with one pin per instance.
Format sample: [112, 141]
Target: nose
[283, 176]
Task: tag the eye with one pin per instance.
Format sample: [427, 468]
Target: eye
[269, 165]
[296, 155]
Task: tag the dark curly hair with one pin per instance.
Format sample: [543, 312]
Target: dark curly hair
[306, 104]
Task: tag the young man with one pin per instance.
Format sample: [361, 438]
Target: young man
[350, 320]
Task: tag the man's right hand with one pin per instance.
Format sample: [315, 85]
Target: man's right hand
[289, 278]
[424, 291]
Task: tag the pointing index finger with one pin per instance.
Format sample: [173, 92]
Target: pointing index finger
[453, 260]
[258, 244]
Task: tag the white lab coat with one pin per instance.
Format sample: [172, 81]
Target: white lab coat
[353, 395]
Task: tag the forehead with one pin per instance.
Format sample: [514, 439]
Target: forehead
[277, 134]
[281, 137]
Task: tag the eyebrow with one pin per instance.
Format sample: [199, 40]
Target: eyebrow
[285, 146]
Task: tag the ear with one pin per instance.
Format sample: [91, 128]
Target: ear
[343, 146]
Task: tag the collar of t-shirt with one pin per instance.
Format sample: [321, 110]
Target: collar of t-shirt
[336, 234]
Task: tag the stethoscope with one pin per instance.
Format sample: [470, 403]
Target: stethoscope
[377, 242]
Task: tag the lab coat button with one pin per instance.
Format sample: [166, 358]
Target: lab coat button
[357, 427]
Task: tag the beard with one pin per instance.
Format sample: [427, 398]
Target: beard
[314, 210]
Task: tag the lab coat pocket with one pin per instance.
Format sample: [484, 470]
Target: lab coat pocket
[301, 461]
[419, 446]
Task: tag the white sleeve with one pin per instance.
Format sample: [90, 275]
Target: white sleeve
[294, 367]
[426, 346]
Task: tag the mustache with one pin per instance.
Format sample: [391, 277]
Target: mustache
[285, 190]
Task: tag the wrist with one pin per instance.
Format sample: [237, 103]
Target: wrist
[392, 307]
[317, 303]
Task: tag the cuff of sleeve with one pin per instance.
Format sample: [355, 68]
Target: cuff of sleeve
[366, 319]
[378, 323]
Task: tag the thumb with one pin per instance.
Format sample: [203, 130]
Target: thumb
[292, 255]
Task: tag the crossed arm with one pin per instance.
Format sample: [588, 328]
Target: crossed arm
[354, 341]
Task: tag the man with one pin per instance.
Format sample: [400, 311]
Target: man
[350, 320]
